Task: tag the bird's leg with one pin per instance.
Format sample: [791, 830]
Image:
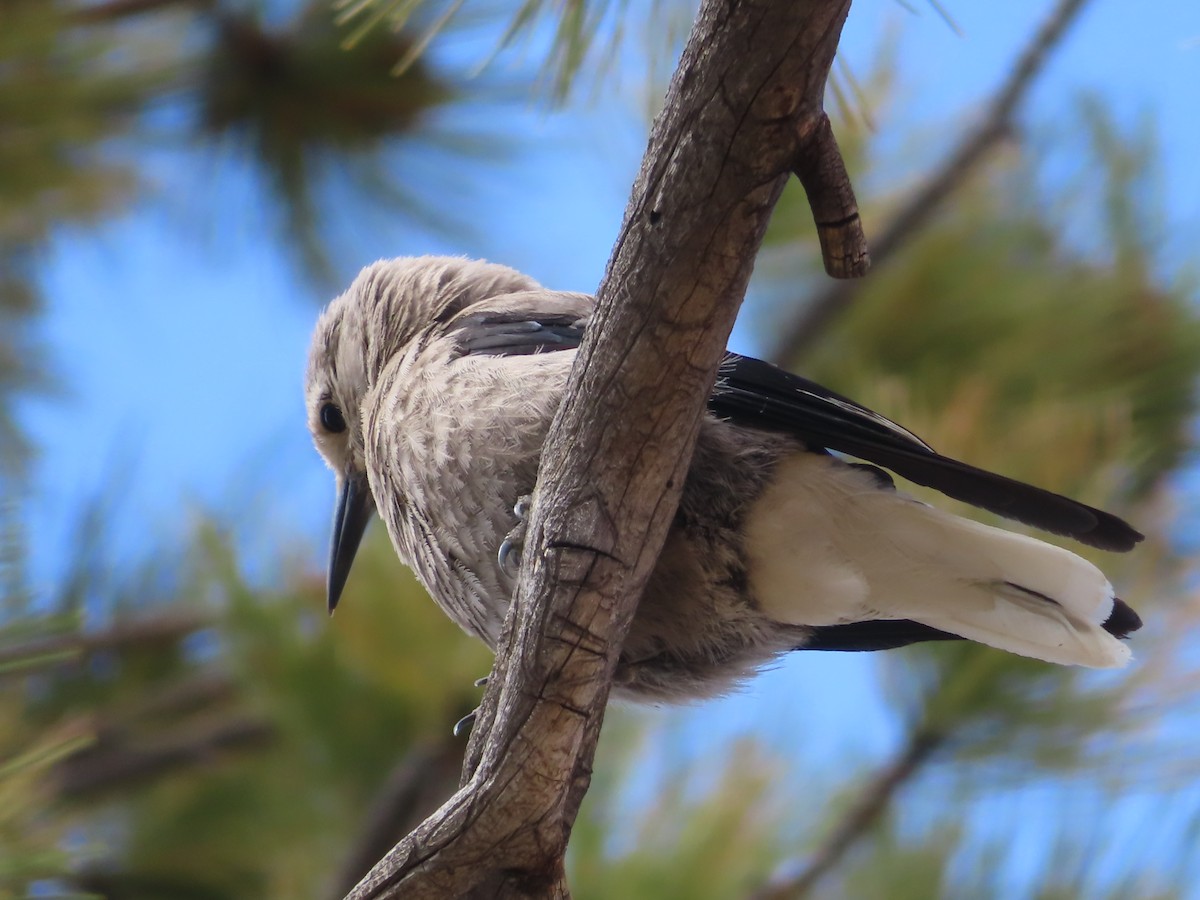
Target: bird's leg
[509, 555]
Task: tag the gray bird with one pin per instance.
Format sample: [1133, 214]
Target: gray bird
[431, 386]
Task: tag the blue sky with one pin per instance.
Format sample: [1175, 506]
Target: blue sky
[179, 330]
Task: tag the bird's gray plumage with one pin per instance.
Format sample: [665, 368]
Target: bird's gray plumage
[444, 375]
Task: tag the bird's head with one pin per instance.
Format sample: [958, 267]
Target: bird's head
[388, 306]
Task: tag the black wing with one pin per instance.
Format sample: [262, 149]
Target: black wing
[877, 634]
[756, 394]
[518, 333]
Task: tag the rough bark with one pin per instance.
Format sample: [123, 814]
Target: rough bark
[740, 115]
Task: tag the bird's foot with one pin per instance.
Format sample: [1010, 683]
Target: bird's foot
[509, 555]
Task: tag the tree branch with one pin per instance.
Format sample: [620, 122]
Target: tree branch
[750, 84]
[915, 214]
[177, 698]
[112, 765]
[116, 10]
[20, 659]
[822, 172]
[871, 804]
[421, 781]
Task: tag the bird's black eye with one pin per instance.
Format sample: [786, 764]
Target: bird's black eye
[331, 419]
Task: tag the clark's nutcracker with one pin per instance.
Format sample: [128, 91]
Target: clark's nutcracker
[431, 385]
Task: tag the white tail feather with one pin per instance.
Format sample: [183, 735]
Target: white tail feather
[852, 552]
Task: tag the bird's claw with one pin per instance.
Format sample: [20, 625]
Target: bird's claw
[509, 555]
[509, 558]
[463, 725]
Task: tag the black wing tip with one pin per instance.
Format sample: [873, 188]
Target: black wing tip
[1123, 621]
[872, 635]
[1110, 533]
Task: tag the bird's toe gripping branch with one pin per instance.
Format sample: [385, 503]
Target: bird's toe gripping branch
[509, 555]
[463, 725]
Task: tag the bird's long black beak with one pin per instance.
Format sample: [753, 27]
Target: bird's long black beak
[354, 511]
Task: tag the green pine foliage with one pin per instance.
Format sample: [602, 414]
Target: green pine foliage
[233, 749]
